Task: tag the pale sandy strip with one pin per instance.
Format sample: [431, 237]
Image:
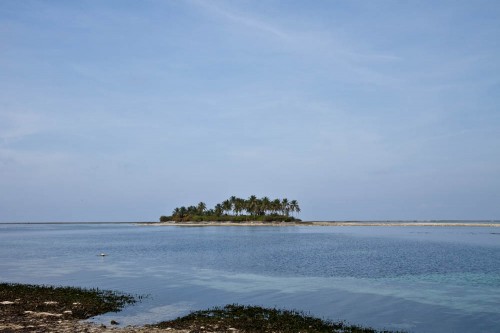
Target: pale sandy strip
[327, 224]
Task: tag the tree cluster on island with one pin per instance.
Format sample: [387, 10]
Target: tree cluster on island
[237, 209]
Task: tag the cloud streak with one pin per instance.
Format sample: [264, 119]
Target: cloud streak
[242, 20]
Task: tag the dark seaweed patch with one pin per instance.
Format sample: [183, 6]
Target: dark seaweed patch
[253, 319]
[71, 302]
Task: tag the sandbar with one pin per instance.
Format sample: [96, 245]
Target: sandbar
[331, 224]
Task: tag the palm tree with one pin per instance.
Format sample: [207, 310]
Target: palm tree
[265, 205]
[276, 206]
[201, 208]
[176, 212]
[251, 205]
[227, 206]
[294, 206]
[239, 205]
[182, 211]
[285, 206]
[232, 200]
[192, 210]
[218, 210]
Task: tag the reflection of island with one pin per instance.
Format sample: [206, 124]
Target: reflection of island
[238, 210]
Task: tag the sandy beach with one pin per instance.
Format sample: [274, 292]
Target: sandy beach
[328, 224]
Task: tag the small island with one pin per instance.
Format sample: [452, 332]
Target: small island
[237, 209]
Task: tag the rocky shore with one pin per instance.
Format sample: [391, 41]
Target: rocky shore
[32, 308]
[15, 318]
[43, 322]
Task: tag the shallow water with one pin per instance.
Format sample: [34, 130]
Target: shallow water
[420, 279]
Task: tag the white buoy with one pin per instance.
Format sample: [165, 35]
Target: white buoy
[103, 254]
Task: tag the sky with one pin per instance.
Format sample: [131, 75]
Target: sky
[361, 110]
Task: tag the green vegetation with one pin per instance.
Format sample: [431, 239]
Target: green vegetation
[56, 303]
[73, 302]
[238, 210]
[250, 319]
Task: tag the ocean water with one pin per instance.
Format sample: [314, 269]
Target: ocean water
[418, 279]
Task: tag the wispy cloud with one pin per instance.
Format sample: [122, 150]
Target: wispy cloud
[15, 125]
[321, 47]
[242, 19]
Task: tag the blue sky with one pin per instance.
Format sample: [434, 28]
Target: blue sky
[123, 110]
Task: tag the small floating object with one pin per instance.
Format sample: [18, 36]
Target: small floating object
[103, 254]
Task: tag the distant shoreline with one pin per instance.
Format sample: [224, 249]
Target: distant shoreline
[437, 223]
[83, 222]
[335, 224]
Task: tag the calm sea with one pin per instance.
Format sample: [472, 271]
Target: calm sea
[419, 279]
